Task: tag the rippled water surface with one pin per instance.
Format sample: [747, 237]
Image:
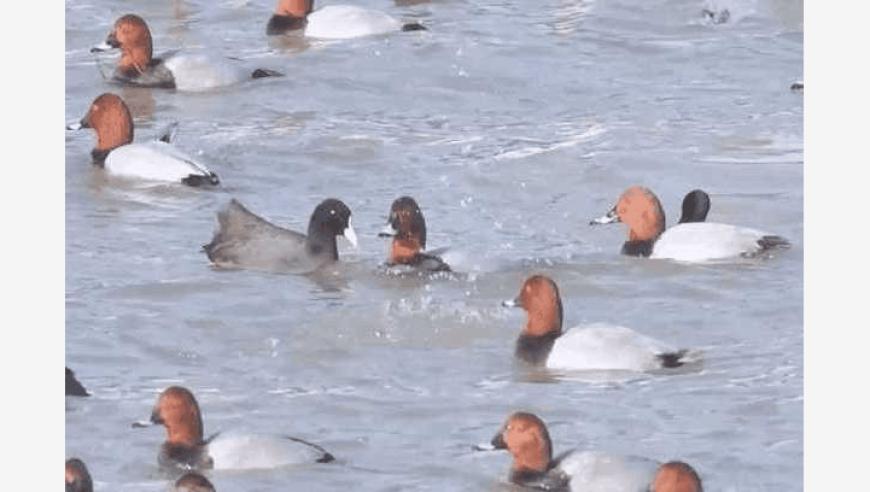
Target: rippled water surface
[513, 123]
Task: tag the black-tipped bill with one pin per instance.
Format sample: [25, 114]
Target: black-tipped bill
[511, 303]
[388, 231]
[104, 46]
[110, 43]
[610, 218]
[483, 447]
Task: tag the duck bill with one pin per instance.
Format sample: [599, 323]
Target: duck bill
[78, 125]
[484, 447]
[610, 218]
[512, 303]
[109, 44]
[388, 231]
[350, 235]
[104, 46]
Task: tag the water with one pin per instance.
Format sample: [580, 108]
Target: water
[512, 123]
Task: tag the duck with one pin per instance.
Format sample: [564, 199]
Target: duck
[524, 435]
[153, 160]
[407, 226]
[639, 208]
[193, 482]
[78, 479]
[333, 21]
[598, 346]
[172, 70]
[696, 206]
[247, 241]
[73, 386]
[185, 449]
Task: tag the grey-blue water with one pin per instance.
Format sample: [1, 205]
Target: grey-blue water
[512, 122]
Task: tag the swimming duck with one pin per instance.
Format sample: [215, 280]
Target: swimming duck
[641, 211]
[525, 436]
[407, 226]
[77, 477]
[184, 448]
[155, 160]
[245, 240]
[172, 70]
[596, 347]
[333, 21]
[73, 386]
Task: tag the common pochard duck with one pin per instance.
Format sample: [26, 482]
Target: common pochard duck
[597, 346]
[245, 240]
[407, 226]
[641, 211]
[78, 479]
[173, 70]
[153, 160]
[185, 448]
[333, 21]
[524, 435]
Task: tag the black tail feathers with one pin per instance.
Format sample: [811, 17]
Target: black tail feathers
[265, 72]
[770, 242]
[670, 360]
[414, 26]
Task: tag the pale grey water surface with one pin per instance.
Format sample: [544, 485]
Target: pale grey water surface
[512, 123]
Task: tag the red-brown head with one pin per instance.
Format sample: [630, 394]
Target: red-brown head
[525, 436]
[193, 482]
[640, 209]
[110, 118]
[177, 410]
[132, 36]
[294, 8]
[539, 297]
[77, 477]
[407, 226]
[676, 476]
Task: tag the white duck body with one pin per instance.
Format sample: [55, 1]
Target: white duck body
[156, 161]
[706, 241]
[600, 346]
[200, 72]
[349, 21]
[593, 471]
[244, 452]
